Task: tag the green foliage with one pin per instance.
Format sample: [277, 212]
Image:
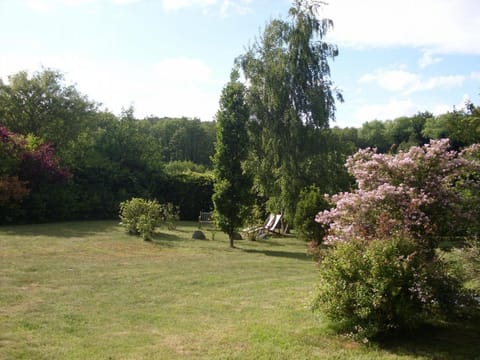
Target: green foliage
[310, 201]
[462, 127]
[170, 215]
[466, 259]
[42, 104]
[367, 288]
[183, 139]
[290, 95]
[140, 216]
[232, 196]
[192, 192]
[374, 134]
[405, 131]
[180, 167]
[29, 170]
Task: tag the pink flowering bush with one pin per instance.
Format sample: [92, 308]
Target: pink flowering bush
[382, 272]
[420, 193]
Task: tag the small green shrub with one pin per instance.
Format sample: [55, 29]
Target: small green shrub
[310, 202]
[371, 287]
[170, 215]
[140, 216]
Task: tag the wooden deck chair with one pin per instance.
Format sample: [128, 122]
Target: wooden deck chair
[269, 226]
[253, 229]
[273, 226]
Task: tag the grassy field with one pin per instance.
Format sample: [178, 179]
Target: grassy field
[87, 290]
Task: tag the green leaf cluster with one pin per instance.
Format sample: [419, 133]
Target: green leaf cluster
[141, 217]
[310, 202]
[368, 288]
[232, 195]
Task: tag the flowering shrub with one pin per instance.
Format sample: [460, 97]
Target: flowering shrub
[382, 272]
[417, 193]
[41, 165]
[24, 164]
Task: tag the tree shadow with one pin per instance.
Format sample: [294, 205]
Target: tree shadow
[282, 254]
[460, 340]
[74, 229]
[164, 239]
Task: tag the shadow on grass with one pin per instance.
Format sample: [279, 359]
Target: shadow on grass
[282, 254]
[76, 229]
[165, 240]
[456, 341]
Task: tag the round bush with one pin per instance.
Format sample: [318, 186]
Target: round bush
[140, 216]
[310, 202]
[371, 287]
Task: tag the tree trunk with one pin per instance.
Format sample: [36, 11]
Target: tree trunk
[230, 236]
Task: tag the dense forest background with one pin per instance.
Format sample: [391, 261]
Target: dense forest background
[63, 158]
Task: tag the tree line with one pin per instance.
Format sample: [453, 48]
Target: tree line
[111, 158]
[287, 104]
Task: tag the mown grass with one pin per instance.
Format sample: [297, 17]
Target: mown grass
[87, 290]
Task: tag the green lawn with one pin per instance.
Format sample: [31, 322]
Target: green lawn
[87, 290]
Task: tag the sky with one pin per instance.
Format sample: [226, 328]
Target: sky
[173, 57]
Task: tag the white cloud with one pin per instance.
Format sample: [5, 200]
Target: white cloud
[399, 80]
[51, 5]
[181, 4]
[475, 75]
[124, 2]
[175, 70]
[437, 26]
[390, 110]
[225, 7]
[229, 6]
[435, 82]
[428, 59]
[40, 5]
[392, 80]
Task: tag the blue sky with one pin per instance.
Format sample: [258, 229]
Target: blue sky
[172, 57]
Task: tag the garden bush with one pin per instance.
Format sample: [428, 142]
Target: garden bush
[140, 216]
[384, 271]
[367, 288]
[170, 214]
[310, 201]
[466, 259]
[418, 193]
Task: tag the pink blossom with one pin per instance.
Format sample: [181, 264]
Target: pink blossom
[412, 192]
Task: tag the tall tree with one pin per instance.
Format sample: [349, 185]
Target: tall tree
[43, 105]
[231, 196]
[374, 134]
[290, 93]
